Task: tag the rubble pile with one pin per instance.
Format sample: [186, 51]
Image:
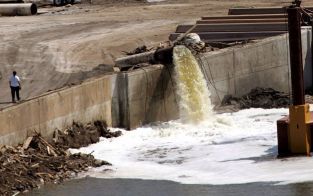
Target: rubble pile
[37, 161]
[259, 98]
[138, 50]
[79, 135]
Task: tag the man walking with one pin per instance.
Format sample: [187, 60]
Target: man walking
[15, 86]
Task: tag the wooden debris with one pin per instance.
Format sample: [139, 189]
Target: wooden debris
[79, 135]
[138, 50]
[27, 142]
[38, 161]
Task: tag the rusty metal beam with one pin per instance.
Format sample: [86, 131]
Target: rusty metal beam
[296, 64]
[217, 21]
[231, 36]
[260, 10]
[259, 16]
[229, 27]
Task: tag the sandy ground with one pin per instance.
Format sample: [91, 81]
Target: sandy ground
[65, 45]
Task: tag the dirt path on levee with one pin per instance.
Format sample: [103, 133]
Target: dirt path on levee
[64, 45]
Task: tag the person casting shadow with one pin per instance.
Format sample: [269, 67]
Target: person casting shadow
[15, 86]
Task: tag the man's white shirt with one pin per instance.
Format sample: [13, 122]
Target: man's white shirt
[14, 81]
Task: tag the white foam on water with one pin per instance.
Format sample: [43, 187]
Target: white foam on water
[229, 148]
[236, 148]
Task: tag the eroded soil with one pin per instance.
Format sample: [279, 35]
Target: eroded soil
[65, 45]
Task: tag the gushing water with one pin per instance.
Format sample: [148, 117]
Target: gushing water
[232, 148]
[195, 104]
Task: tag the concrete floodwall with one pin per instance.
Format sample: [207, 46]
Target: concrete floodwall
[149, 96]
[135, 98]
[86, 102]
[265, 63]
[126, 99]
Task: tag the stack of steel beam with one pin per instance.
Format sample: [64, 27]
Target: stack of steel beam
[241, 24]
[260, 10]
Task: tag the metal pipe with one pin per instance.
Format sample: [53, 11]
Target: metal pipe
[163, 56]
[296, 64]
[11, 1]
[22, 9]
[136, 59]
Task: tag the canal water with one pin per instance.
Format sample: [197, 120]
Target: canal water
[135, 187]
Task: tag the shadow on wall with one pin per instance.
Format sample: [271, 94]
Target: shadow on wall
[156, 108]
[307, 56]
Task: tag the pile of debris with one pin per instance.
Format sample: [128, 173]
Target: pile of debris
[138, 50]
[37, 161]
[259, 98]
[79, 135]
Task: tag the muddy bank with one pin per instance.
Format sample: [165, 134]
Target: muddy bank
[38, 161]
[258, 98]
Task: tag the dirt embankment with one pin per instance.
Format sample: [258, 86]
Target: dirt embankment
[63, 45]
[37, 161]
[258, 98]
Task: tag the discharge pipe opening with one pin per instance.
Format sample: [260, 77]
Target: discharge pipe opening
[33, 9]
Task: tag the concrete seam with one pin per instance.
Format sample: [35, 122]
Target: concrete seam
[127, 118]
[234, 69]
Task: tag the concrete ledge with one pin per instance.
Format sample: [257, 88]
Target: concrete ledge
[86, 102]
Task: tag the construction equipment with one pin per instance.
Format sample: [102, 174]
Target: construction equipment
[62, 2]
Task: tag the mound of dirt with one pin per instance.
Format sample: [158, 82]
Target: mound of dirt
[259, 98]
[37, 161]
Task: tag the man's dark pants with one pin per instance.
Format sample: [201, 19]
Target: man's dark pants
[15, 90]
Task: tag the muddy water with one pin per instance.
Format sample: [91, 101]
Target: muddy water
[131, 187]
[194, 96]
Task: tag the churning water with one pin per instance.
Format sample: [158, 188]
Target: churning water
[195, 104]
[229, 148]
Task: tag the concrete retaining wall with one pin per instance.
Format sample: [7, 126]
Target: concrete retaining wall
[86, 102]
[132, 99]
[125, 100]
[149, 96]
[239, 69]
